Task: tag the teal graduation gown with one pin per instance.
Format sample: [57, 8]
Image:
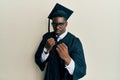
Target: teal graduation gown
[55, 65]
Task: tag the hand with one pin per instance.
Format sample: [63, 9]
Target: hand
[49, 44]
[62, 50]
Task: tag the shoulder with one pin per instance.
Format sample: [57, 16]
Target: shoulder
[48, 34]
[74, 39]
[72, 36]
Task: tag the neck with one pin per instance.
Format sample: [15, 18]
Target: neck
[62, 33]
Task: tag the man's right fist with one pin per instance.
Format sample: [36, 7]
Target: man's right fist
[49, 44]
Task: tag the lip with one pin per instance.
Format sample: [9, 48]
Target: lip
[57, 31]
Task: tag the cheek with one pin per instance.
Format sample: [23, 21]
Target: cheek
[63, 29]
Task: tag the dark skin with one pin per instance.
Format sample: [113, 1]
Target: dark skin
[59, 26]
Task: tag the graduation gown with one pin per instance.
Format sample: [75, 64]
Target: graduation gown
[55, 65]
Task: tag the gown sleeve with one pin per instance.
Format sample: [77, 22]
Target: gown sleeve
[39, 52]
[79, 59]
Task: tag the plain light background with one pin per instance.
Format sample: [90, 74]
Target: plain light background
[95, 22]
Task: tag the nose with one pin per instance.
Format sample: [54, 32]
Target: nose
[57, 27]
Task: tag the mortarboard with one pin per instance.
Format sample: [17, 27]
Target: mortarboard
[59, 11]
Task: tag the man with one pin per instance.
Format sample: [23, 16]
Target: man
[61, 50]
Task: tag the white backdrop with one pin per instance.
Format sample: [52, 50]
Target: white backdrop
[95, 22]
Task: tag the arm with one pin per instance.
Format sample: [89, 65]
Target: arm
[77, 68]
[38, 54]
[78, 56]
[70, 67]
[46, 45]
[44, 56]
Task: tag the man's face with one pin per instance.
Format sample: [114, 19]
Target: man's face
[59, 25]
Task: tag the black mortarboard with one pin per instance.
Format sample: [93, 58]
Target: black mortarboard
[59, 11]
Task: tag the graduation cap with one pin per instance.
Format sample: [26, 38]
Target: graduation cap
[59, 11]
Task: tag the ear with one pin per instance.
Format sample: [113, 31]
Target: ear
[66, 23]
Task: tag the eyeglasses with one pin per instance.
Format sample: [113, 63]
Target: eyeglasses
[58, 24]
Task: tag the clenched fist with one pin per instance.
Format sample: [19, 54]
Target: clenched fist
[62, 50]
[49, 44]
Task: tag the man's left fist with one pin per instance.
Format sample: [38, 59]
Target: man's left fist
[62, 50]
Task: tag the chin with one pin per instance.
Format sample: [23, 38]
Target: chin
[58, 33]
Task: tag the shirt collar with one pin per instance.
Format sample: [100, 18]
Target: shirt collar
[62, 35]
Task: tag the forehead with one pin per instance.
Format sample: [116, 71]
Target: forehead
[59, 19]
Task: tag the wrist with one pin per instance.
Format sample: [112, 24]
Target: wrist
[67, 60]
[46, 50]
